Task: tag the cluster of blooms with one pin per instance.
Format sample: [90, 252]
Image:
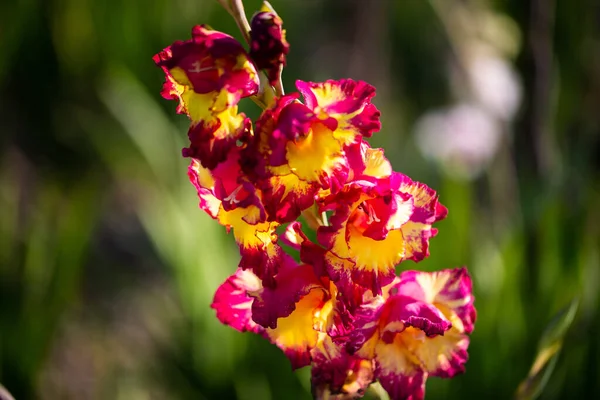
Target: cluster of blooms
[338, 305]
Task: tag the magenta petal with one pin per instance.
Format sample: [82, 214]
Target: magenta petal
[420, 315]
[351, 95]
[456, 362]
[291, 284]
[293, 121]
[404, 387]
[335, 372]
[233, 304]
[368, 121]
[265, 266]
[450, 287]
[365, 323]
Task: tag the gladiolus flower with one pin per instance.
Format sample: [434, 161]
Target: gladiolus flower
[236, 204]
[419, 329]
[301, 148]
[296, 314]
[377, 223]
[341, 309]
[209, 74]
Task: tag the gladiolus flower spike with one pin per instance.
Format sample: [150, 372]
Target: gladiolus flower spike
[341, 308]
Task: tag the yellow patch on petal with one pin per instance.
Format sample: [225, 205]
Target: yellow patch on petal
[436, 353]
[340, 245]
[205, 177]
[295, 332]
[327, 94]
[283, 177]
[399, 357]
[315, 154]
[370, 254]
[257, 236]
[345, 133]
[180, 77]
[208, 107]
[376, 164]
[242, 62]
[339, 264]
[326, 347]
[360, 378]
[369, 348]
[324, 316]
[457, 323]
[197, 106]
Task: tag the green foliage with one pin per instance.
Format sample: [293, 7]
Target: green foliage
[548, 352]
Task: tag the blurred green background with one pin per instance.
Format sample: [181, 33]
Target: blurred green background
[108, 267]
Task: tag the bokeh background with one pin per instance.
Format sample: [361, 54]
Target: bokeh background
[108, 267]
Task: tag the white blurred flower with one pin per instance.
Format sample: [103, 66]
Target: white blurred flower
[463, 138]
[494, 83]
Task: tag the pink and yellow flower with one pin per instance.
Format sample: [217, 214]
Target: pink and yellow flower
[377, 223]
[235, 203]
[295, 314]
[421, 328]
[209, 74]
[348, 102]
[298, 316]
[304, 147]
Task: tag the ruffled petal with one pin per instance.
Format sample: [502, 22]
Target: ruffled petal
[414, 330]
[450, 290]
[236, 204]
[209, 74]
[427, 207]
[364, 239]
[291, 284]
[291, 157]
[365, 335]
[258, 246]
[337, 375]
[376, 164]
[408, 386]
[348, 102]
[286, 195]
[402, 312]
[295, 334]
[233, 304]
[210, 62]
[444, 356]
[214, 136]
[204, 182]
